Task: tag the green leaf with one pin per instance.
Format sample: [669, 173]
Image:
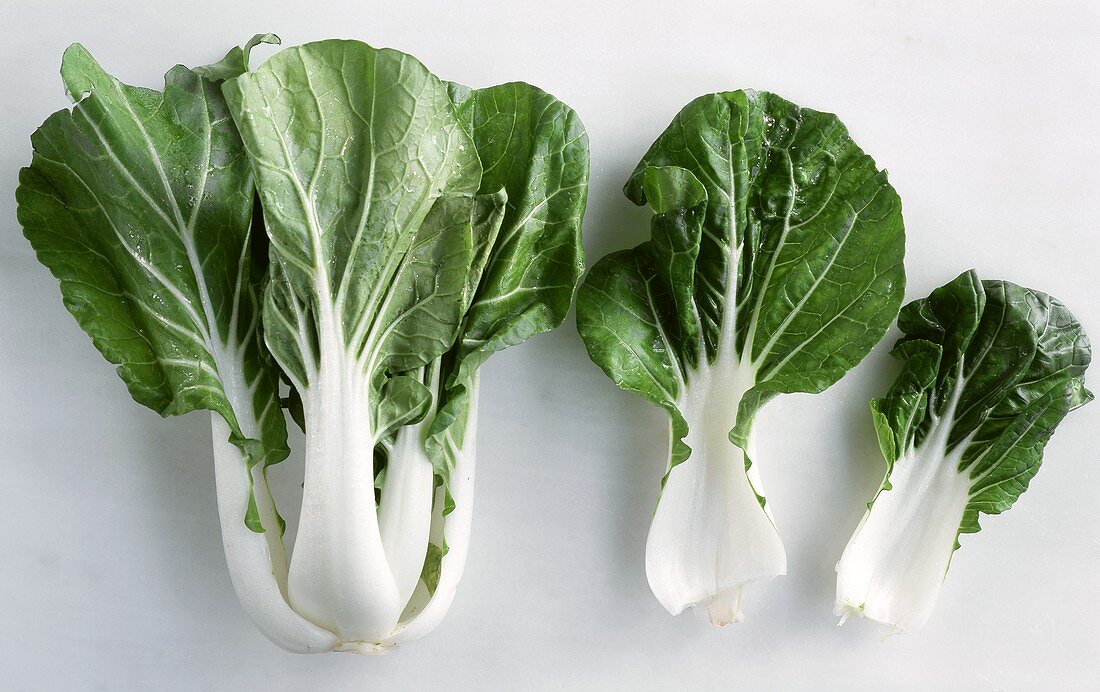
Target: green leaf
[235, 62]
[617, 312]
[679, 201]
[901, 411]
[534, 149]
[885, 434]
[140, 202]
[949, 317]
[354, 147]
[430, 292]
[1011, 369]
[670, 188]
[636, 311]
[1006, 425]
[774, 265]
[797, 271]
[989, 371]
[429, 295]
[404, 400]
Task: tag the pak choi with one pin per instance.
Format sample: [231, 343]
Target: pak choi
[989, 369]
[774, 265]
[410, 227]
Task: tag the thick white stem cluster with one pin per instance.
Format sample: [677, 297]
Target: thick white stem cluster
[354, 579]
[710, 536]
[893, 567]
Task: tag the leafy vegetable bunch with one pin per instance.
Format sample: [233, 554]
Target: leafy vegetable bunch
[340, 219]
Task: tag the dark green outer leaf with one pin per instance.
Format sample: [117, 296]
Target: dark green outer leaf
[717, 138]
[635, 310]
[1003, 468]
[139, 202]
[815, 226]
[1020, 356]
[534, 149]
[679, 203]
[949, 316]
[615, 308]
[996, 360]
[798, 258]
[1006, 449]
[434, 283]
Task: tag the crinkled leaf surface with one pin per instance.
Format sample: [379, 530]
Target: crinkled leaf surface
[140, 202]
[1001, 365]
[989, 369]
[776, 244]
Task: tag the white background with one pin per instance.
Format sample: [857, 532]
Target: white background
[985, 114]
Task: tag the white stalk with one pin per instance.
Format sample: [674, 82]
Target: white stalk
[257, 561]
[893, 567]
[710, 536]
[455, 528]
[339, 575]
[405, 512]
